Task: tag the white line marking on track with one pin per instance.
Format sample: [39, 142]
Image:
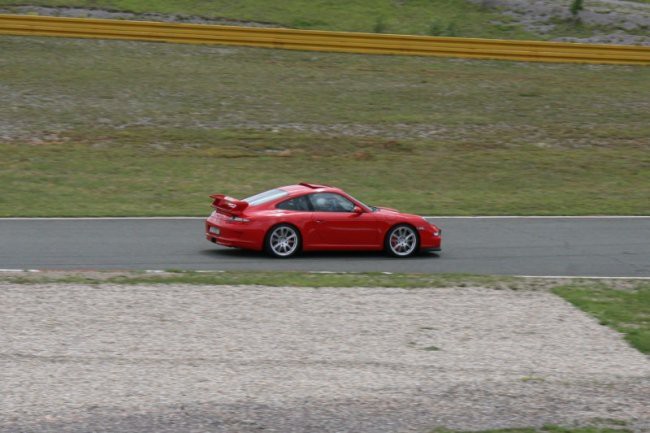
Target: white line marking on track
[198, 271]
[19, 270]
[126, 218]
[566, 277]
[542, 217]
[548, 277]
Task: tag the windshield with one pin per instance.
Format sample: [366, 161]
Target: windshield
[265, 197]
[372, 208]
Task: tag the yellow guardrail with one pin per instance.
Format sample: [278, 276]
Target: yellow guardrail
[310, 40]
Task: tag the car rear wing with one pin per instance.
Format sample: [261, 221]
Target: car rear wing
[228, 205]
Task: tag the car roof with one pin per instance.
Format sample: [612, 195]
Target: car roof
[303, 188]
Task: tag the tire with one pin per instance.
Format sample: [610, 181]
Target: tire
[283, 241]
[402, 241]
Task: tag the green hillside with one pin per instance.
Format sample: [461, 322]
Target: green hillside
[438, 17]
[619, 23]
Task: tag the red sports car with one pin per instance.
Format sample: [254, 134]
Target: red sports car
[307, 217]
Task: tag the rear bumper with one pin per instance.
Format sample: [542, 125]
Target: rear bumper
[232, 235]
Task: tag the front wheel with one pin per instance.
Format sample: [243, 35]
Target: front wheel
[401, 241]
[283, 241]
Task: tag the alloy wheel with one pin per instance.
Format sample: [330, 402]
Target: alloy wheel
[283, 241]
[402, 241]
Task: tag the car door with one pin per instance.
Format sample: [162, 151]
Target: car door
[298, 211]
[338, 226]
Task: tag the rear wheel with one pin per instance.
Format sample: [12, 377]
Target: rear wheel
[283, 241]
[401, 241]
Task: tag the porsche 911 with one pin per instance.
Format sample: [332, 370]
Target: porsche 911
[307, 217]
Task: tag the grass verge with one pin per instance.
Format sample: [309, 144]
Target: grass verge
[627, 311]
[109, 128]
[271, 279]
[135, 179]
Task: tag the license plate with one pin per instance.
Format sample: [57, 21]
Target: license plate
[215, 230]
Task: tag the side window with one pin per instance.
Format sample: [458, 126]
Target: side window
[330, 202]
[298, 204]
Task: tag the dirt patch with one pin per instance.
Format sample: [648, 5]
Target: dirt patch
[244, 359]
[614, 21]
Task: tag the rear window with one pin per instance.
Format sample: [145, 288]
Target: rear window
[265, 197]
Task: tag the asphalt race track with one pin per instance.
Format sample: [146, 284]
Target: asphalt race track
[612, 247]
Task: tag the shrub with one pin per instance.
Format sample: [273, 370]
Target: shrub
[576, 7]
[380, 25]
[435, 29]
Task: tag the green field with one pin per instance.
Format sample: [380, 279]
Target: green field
[126, 128]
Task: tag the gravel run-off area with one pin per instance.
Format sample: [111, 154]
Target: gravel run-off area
[247, 359]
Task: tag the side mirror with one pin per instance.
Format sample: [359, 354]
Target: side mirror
[357, 210]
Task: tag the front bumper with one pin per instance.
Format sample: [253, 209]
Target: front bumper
[430, 239]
